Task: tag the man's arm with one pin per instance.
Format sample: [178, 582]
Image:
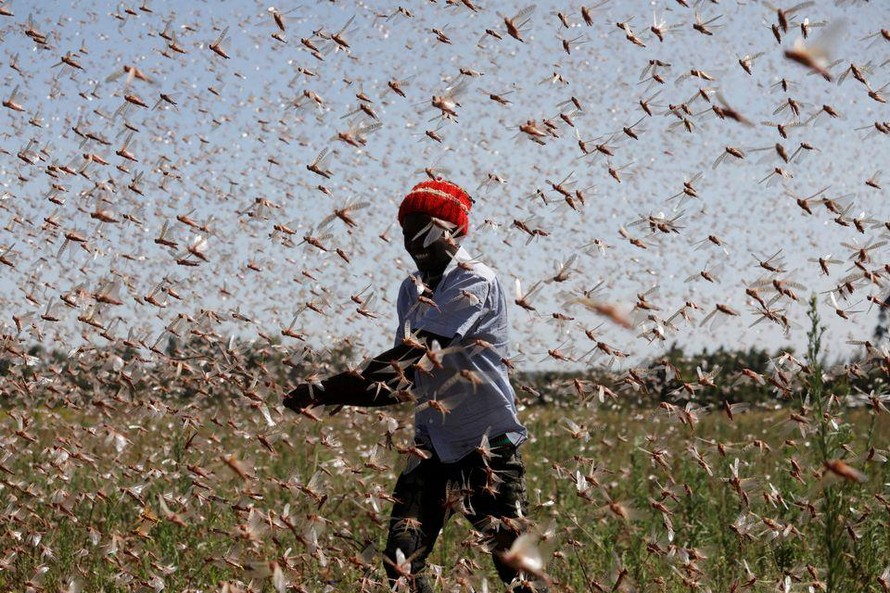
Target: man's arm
[379, 384]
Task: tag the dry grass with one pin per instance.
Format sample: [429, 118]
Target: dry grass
[148, 495]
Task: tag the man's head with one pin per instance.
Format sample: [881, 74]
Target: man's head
[432, 215]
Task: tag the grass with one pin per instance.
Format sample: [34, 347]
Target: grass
[80, 504]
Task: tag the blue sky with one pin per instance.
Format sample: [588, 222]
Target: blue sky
[274, 107]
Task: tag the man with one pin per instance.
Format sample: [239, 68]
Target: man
[449, 359]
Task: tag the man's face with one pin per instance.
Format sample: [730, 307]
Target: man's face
[431, 259]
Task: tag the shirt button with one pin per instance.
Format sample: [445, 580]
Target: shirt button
[430, 421]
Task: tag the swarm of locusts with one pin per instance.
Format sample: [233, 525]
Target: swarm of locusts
[198, 212]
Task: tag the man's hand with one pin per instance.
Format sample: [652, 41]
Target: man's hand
[351, 388]
[302, 397]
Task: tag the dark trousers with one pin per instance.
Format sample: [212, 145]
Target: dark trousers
[490, 494]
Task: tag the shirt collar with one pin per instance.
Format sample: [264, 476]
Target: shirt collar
[461, 255]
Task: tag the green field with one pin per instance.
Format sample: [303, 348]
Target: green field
[139, 496]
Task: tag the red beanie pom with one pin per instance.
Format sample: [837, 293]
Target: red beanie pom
[439, 199]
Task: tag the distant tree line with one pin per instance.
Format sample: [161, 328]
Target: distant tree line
[203, 367]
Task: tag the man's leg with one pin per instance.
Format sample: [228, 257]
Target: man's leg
[500, 504]
[417, 517]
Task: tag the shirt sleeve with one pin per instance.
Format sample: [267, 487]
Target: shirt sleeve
[458, 306]
[401, 308]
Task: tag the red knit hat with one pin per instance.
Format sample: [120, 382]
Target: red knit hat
[439, 199]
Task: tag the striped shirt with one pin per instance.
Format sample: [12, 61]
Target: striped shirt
[469, 379]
